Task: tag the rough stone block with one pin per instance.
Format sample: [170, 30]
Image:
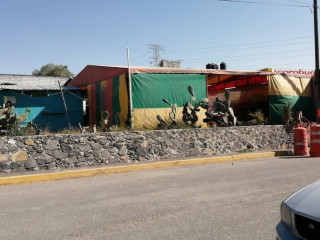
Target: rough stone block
[59, 155]
[29, 142]
[76, 152]
[11, 141]
[45, 158]
[124, 158]
[5, 167]
[144, 144]
[114, 160]
[65, 147]
[51, 145]
[95, 146]
[19, 156]
[123, 151]
[14, 166]
[84, 147]
[72, 159]
[105, 154]
[3, 150]
[12, 148]
[4, 158]
[31, 163]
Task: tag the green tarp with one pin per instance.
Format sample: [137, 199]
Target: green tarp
[148, 90]
[297, 103]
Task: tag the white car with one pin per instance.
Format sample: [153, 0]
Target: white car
[300, 215]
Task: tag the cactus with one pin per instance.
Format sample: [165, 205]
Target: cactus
[191, 118]
[21, 118]
[10, 122]
[172, 116]
[116, 121]
[163, 124]
[110, 125]
[287, 113]
[130, 122]
[222, 112]
[258, 116]
[105, 117]
[173, 113]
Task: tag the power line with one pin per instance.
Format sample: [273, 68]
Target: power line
[264, 54]
[248, 33]
[230, 59]
[238, 45]
[300, 2]
[228, 48]
[140, 56]
[281, 65]
[264, 3]
[237, 49]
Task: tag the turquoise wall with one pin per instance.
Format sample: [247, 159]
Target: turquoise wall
[48, 112]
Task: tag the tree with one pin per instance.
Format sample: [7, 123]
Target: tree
[53, 70]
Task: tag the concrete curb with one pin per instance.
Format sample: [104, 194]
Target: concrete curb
[33, 178]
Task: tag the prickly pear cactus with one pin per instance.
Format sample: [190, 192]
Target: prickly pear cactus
[105, 117]
[173, 113]
[114, 124]
[222, 112]
[172, 116]
[191, 118]
[163, 124]
[10, 123]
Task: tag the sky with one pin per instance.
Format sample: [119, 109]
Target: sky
[76, 33]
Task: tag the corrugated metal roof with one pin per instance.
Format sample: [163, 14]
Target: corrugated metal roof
[32, 80]
[35, 87]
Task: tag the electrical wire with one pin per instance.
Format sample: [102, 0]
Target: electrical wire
[252, 45]
[142, 55]
[248, 33]
[265, 54]
[277, 66]
[301, 2]
[73, 94]
[232, 58]
[64, 91]
[264, 3]
[237, 46]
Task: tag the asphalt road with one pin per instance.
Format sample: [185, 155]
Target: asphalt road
[214, 201]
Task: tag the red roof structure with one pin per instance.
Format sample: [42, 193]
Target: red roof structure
[93, 74]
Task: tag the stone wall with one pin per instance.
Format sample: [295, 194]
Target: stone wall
[50, 152]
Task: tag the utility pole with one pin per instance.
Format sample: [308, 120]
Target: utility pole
[130, 116]
[316, 37]
[316, 48]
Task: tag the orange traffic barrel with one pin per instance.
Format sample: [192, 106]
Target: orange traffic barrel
[300, 141]
[315, 141]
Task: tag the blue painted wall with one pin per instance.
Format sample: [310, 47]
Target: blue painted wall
[48, 112]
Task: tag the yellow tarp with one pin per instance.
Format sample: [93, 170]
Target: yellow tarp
[283, 85]
[147, 118]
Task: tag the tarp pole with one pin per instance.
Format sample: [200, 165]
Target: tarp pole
[130, 89]
[65, 105]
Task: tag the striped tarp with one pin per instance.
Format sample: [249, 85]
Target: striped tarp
[289, 89]
[149, 89]
[108, 95]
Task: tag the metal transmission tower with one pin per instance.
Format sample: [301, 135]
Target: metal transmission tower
[155, 59]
